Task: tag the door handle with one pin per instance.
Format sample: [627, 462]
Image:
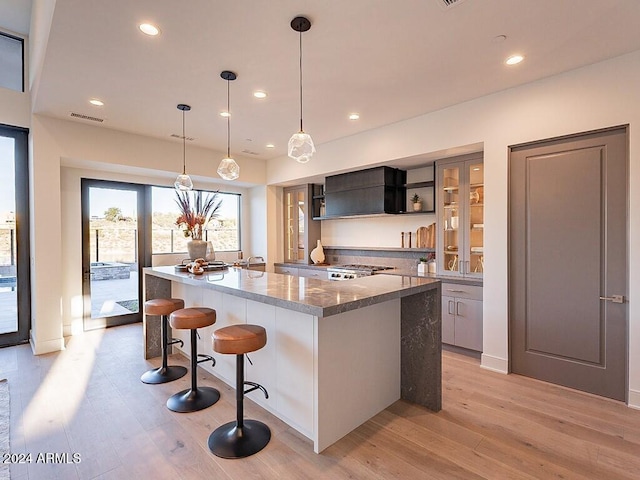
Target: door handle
[450, 309]
[614, 298]
[458, 309]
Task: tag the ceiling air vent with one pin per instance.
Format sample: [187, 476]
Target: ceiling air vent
[447, 4]
[86, 117]
[188, 139]
[250, 152]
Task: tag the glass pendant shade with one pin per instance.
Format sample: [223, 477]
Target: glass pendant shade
[183, 183]
[228, 169]
[301, 147]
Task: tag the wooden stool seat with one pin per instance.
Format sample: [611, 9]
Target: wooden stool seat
[194, 398]
[239, 339]
[165, 373]
[162, 306]
[192, 318]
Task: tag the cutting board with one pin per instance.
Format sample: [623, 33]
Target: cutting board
[431, 238]
[426, 237]
[422, 237]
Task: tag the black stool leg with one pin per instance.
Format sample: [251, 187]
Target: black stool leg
[241, 438]
[165, 373]
[194, 398]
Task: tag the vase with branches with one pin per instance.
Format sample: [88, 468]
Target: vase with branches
[195, 214]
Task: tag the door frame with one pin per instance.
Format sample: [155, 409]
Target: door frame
[143, 246]
[23, 267]
[550, 141]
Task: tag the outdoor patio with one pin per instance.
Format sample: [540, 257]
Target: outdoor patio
[108, 298]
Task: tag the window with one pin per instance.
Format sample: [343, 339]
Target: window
[15, 295]
[11, 62]
[223, 231]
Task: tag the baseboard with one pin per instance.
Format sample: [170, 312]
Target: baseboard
[40, 348]
[495, 364]
[634, 399]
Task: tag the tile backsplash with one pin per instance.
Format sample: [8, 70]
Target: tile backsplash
[393, 257]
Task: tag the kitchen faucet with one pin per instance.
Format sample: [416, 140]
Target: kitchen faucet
[254, 258]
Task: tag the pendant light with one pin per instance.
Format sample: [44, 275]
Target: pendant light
[228, 168]
[301, 146]
[183, 181]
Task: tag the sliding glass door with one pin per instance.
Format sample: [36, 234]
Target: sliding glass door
[15, 293]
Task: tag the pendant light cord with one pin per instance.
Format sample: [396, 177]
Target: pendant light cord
[300, 81]
[228, 123]
[184, 148]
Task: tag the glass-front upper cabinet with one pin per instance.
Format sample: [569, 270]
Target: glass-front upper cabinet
[460, 214]
[475, 219]
[300, 231]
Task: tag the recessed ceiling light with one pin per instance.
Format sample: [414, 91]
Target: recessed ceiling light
[149, 29]
[260, 94]
[270, 145]
[225, 114]
[96, 102]
[354, 116]
[514, 59]
[499, 38]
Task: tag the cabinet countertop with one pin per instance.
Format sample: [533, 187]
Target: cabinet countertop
[320, 298]
[413, 272]
[313, 266]
[408, 272]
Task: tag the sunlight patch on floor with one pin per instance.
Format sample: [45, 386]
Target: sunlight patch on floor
[59, 395]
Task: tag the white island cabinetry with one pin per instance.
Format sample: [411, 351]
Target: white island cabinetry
[318, 365]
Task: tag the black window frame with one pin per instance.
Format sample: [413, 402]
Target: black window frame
[21, 40]
[199, 191]
[23, 254]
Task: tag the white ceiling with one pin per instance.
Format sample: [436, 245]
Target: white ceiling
[387, 60]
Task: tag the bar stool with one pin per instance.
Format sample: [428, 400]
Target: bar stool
[164, 373]
[241, 438]
[194, 398]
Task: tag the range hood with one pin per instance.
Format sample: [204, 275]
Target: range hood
[372, 191]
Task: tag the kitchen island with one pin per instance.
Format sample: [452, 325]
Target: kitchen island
[337, 353]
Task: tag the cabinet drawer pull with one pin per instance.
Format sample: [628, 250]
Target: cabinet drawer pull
[456, 291]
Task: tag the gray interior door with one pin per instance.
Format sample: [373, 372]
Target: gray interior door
[567, 261]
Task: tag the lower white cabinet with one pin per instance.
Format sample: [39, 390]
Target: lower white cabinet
[286, 270]
[319, 273]
[462, 315]
[313, 273]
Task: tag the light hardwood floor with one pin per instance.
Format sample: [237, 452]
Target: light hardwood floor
[89, 400]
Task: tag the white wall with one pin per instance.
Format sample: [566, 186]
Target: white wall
[61, 153]
[381, 231]
[594, 97]
[16, 108]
